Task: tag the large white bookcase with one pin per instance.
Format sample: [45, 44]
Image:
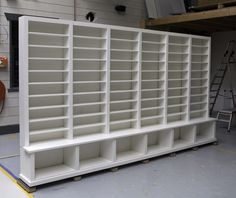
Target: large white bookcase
[95, 96]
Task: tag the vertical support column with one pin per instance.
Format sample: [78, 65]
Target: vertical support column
[195, 133]
[166, 79]
[139, 80]
[209, 77]
[108, 57]
[189, 77]
[214, 129]
[172, 137]
[27, 165]
[24, 81]
[70, 88]
[77, 157]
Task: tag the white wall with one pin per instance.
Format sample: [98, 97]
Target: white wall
[219, 44]
[105, 13]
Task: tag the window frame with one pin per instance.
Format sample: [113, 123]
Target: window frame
[12, 18]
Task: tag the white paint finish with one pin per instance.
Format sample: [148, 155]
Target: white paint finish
[55, 157]
[37, 6]
[65, 173]
[189, 77]
[27, 166]
[63, 9]
[107, 87]
[10, 111]
[10, 120]
[23, 81]
[43, 146]
[70, 67]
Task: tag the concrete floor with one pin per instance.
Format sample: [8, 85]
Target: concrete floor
[209, 172]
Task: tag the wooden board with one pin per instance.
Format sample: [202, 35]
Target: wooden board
[203, 23]
[210, 5]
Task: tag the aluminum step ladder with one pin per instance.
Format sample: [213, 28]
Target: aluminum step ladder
[218, 78]
[226, 114]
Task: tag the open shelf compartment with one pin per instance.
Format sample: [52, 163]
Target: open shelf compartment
[159, 141]
[96, 154]
[184, 136]
[205, 132]
[152, 78]
[199, 78]
[55, 162]
[89, 79]
[177, 78]
[123, 80]
[130, 147]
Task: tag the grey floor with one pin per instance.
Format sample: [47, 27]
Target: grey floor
[209, 172]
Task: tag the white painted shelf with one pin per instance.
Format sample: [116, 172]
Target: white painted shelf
[96, 96]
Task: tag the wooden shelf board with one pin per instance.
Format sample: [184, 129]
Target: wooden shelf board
[52, 171]
[42, 132]
[181, 143]
[157, 148]
[203, 23]
[54, 144]
[93, 162]
[126, 155]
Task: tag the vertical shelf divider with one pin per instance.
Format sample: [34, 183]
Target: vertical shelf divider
[209, 76]
[71, 68]
[108, 59]
[139, 80]
[24, 82]
[166, 79]
[189, 76]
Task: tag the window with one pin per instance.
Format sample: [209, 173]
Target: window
[14, 50]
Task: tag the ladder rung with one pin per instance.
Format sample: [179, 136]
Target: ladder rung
[228, 98]
[223, 120]
[224, 113]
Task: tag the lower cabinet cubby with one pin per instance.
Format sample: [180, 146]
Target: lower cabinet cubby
[184, 136]
[55, 162]
[205, 132]
[130, 147]
[96, 154]
[159, 141]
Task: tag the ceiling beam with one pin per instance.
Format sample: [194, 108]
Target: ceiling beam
[212, 14]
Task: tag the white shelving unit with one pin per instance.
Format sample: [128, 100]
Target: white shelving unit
[124, 70]
[199, 78]
[153, 78]
[48, 81]
[89, 80]
[177, 78]
[95, 96]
